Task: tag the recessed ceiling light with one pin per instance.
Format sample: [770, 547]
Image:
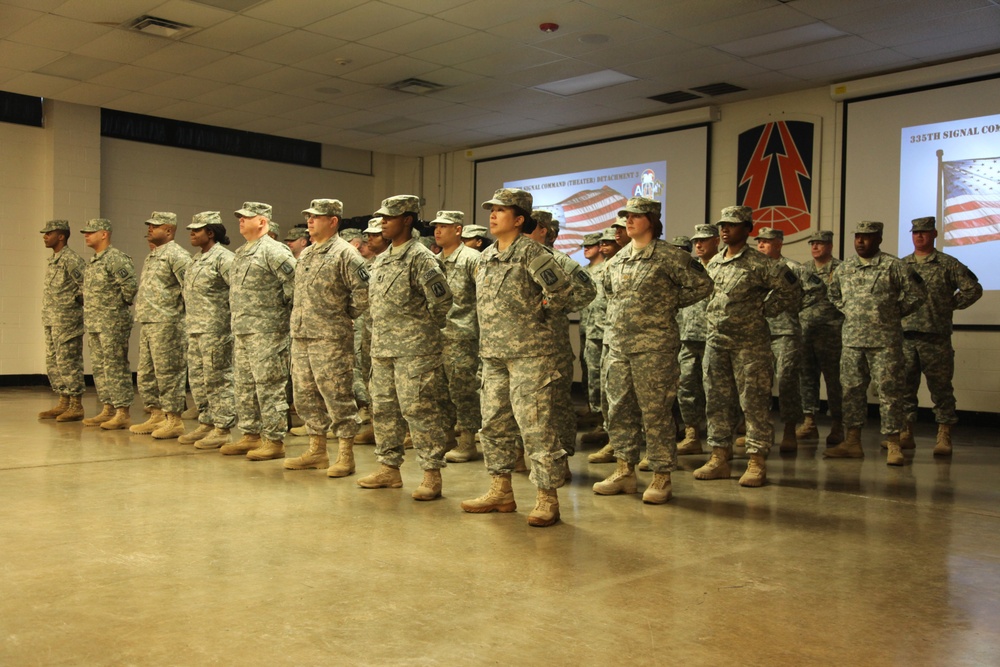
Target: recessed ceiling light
[587, 82]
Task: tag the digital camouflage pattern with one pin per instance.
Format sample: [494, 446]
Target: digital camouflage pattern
[260, 381]
[592, 320]
[109, 288]
[693, 331]
[786, 343]
[822, 326]
[461, 334]
[62, 321]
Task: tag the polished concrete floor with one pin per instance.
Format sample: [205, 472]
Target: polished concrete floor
[121, 550]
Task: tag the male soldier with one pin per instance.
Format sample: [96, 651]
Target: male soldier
[590, 340]
[353, 236]
[621, 235]
[461, 334]
[410, 300]
[109, 287]
[159, 308]
[273, 229]
[297, 240]
[331, 290]
[372, 246]
[786, 337]
[691, 389]
[682, 242]
[738, 363]
[875, 291]
[927, 346]
[62, 321]
[583, 292]
[260, 297]
[645, 284]
[821, 332]
[476, 237]
[609, 248]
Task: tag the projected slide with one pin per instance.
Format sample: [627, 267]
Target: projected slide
[588, 201]
[952, 170]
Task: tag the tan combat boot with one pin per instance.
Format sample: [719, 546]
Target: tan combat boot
[314, 457]
[691, 444]
[894, 457]
[299, 430]
[172, 427]
[386, 477]
[194, 436]
[756, 472]
[122, 419]
[366, 435]
[807, 430]
[500, 498]
[597, 436]
[344, 465]
[217, 438]
[191, 413]
[942, 447]
[622, 480]
[74, 412]
[788, 441]
[643, 464]
[906, 437]
[156, 417]
[659, 490]
[430, 487]
[407, 440]
[836, 433]
[466, 449]
[717, 466]
[60, 408]
[546, 510]
[850, 448]
[104, 415]
[268, 450]
[248, 442]
[605, 454]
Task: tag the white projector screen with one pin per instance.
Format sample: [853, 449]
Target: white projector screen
[931, 152]
[584, 186]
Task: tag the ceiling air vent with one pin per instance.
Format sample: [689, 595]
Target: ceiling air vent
[153, 25]
[415, 86]
[714, 89]
[675, 97]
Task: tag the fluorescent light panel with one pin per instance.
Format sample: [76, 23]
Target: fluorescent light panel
[585, 83]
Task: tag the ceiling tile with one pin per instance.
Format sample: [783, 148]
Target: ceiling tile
[312, 112]
[80, 68]
[105, 11]
[571, 17]
[742, 26]
[38, 85]
[296, 46]
[182, 87]
[351, 56]
[485, 14]
[427, 31]
[189, 111]
[274, 105]
[429, 7]
[190, 13]
[267, 125]
[329, 90]
[445, 114]
[935, 28]
[237, 34]
[656, 68]
[364, 21]
[227, 97]
[231, 118]
[680, 15]
[50, 30]
[142, 103]
[299, 13]
[512, 60]
[901, 13]
[389, 71]
[180, 58]
[13, 19]
[130, 77]
[233, 68]
[449, 76]
[39, 5]
[849, 67]
[557, 71]
[967, 43]
[373, 98]
[91, 94]
[620, 34]
[284, 79]
[26, 57]
[458, 50]
[122, 46]
[477, 90]
[804, 55]
[638, 50]
[825, 9]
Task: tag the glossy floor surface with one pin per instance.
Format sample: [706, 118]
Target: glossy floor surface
[119, 549]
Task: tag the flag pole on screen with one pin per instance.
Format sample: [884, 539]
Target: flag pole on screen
[940, 195]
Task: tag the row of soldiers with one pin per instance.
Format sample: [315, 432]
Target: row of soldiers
[437, 322]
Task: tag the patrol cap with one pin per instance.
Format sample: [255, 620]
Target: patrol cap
[737, 214]
[640, 205]
[449, 218]
[96, 225]
[705, 232]
[296, 233]
[825, 236]
[770, 233]
[619, 222]
[254, 208]
[868, 227]
[273, 228]
[926, 224]
[681, 242]
[325, 207]
[544, 218]
[162, 218]
[399, 205]
[608, 235]
[474, 232]
[350, 234]
[591, 239]
[374, 226]
[510, 197]
[205, 218]
[53, 225]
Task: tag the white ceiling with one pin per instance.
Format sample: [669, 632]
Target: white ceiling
[317, 69]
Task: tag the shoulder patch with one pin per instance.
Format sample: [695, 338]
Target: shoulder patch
[813, 278]
[697, 265]
[287, 268]
[916, 277]
[438, 289]
[363, 274]
[122, 273]
[78, 275]
[583, 277]
[790, 277]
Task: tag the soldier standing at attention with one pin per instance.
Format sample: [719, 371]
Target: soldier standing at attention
[331, 290]
[822, 326]
[646, 283]
[62, 321]
[109, 287]
[475, 236]
[875, 291]
[410, 300]
[591, 335]
[520, 289]
[262, 283]
[159, 308]
[739, 366]
[297, 240]
[461, 334]
[209, 332]
[927, 346]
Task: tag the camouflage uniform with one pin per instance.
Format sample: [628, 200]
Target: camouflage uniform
[786, 346]
[739, 365]
[927, 346]
[874, 295]
[410, 300]
[331, 289]
[109, 288]
[592, 321]
[260, 297]
[644, 288]
[691, 387]
[62, 318]
[822, 326]
[209, 330]
[159, 308]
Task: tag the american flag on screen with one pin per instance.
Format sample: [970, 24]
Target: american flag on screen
[585, 212]
[971, 201]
